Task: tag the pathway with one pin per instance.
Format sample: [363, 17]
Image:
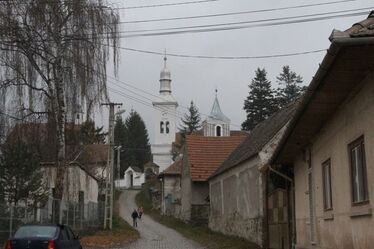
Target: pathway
[152, 234]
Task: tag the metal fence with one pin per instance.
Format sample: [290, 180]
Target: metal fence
[79, 216]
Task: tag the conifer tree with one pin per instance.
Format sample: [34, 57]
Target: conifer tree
[191, 120]
[132, 135]
[260, 103]
[291, 88]
[120, 140]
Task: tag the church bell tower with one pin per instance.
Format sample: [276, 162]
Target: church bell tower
[165, 121]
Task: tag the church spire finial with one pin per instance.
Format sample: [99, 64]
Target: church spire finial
[165, 58]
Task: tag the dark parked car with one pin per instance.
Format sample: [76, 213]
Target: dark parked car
[44, 237]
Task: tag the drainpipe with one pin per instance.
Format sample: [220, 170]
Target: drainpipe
[293, 238]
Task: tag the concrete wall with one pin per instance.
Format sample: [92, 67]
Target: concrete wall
[236, 202]
[76, 180]
[171, 195]
[346, 226]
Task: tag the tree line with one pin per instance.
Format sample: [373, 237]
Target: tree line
[263, 100]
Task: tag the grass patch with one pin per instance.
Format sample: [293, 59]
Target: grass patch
[200, 234]
[121, 234]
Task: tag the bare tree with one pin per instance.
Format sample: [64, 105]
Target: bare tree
[57, 51]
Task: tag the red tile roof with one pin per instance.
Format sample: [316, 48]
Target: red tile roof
[206, 154]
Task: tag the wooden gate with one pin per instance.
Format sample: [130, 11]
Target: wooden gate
[278, 220]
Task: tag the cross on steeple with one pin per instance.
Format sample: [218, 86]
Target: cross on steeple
[165, 58]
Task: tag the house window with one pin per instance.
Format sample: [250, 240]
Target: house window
[358, 171]
[218, 131]
[161, 127]
[327, 191]
[167, 127]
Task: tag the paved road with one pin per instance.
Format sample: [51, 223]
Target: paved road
[152, 234]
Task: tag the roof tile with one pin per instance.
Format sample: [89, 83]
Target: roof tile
[205, 154]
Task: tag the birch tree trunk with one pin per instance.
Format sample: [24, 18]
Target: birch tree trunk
[58, 51]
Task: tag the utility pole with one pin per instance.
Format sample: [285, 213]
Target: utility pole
[109, 190]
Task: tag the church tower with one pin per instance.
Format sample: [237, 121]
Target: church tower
[165, 121]
[216, 124]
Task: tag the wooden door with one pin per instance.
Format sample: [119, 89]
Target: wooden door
[278, 220]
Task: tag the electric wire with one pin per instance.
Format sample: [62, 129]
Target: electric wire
[222, 57]
[234, 13]
[261, 21]
[166, 4]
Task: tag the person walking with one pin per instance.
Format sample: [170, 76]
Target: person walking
[134, 216]
[140, 212]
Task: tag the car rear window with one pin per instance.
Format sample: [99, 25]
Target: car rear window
[35, 232]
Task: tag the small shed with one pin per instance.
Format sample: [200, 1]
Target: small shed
[134, 178]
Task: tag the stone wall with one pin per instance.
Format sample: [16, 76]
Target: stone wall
[236, 202]
[171, 203]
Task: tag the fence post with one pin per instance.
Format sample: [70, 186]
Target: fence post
[67, 213]
[81, 215]
[60, 211]
[11, 221]
[75, 216]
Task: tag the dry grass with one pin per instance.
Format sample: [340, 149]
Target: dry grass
[121, 234]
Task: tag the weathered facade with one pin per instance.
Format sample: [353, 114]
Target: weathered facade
[237, 188]
[330, 146]
[79, 186]
[201, 157]
[203, 152]
[171, 189]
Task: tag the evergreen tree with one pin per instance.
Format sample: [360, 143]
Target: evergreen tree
[132, 135]
[291, 88]
[120, 140]
[191, 120]
[91, 135]
[260, 103]
[20, 174]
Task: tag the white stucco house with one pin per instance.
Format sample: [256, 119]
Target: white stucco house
[134, 178]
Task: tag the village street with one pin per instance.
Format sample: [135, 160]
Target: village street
[152, 234]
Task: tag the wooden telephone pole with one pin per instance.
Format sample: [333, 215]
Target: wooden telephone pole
[109, 190]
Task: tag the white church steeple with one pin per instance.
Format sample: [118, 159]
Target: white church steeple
[216, 124]
[165, 121]
[165, 78]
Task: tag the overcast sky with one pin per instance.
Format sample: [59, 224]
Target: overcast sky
[196, 79]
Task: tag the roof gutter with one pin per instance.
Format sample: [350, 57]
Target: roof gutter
[338, 40]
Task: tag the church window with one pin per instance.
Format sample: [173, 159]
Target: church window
[161, 127]
[218, 131]
[167, 127]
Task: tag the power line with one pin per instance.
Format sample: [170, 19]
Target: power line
[143, 97]
[256, 21]
[234, 13]
[194, 31]
[177, 115]
[235, 25]
[222, 57]
[167, 4]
